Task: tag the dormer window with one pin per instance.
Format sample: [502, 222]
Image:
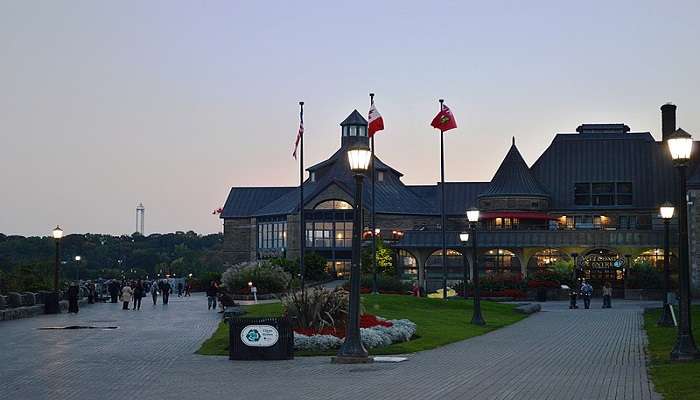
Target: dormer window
[345, 130]
[380, 176]
[353, 131]
[312, 177]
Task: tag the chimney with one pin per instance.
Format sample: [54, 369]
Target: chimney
[668, 120]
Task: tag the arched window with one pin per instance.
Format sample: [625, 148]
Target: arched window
[500, 261]
[655, 258]
[333, 205]
[546, 258]
[455, 265]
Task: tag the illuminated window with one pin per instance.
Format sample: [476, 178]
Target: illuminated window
[333, 205]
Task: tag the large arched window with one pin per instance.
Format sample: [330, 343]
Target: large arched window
[655, 258]
[500, 261]
[408, 265]
[546, 258]
[455, 265]
[333, 205]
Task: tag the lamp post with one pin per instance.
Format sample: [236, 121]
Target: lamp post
[680, 144]
[375, 289]
[77, 269]
[52, 301]
[477, 318]
[666, 211]
[352, 351]
[464, 238]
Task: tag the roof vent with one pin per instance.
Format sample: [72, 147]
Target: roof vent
[603, 128]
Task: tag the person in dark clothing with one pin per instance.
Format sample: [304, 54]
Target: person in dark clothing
[154, 293]
[73, 293]
[166, 291]
[138, 294]
[586, 292]
[212, 291]
[179, 289]
[572, 298]
[607, 294]
[114, 289]
[188, 289]
[91, 293]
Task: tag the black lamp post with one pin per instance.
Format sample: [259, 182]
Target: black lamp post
[477, 318]
[352, 351]
[464, 238]
[680, 143]
[375, 234]
[77, 269]
[52, 300]
[666, 211]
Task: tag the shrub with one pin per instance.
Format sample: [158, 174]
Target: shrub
[385, 284]
[385, 259]
[266, 278]
[314, 267]
[643, 276]
[318, 309]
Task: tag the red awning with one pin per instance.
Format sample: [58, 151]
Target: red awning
[516, 214]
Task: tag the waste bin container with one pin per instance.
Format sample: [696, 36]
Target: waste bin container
[51, 305]
[260, 339]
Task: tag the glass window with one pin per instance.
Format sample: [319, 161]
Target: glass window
[582, 194]
[624, 193]
[362, 131]
[333, 205]
[380, 176]
[345, 130]
[603, 194]
[353, 131]
[500, 261]
[408, 264]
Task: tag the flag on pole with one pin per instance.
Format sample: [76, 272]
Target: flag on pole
[444, 120]
[376, 122]
[301, 132]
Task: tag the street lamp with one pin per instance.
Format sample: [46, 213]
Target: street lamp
[464, 238]
[352, 351]
[477, 318]
[375, 289]
[52, 302]
[680, 144]
[666, 211]
[77, 269]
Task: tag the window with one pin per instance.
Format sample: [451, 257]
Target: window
[603, 194]
[313, 177]
[380, 176]
[627, 222]
[582, 194]
[272, 234]
[327, 234]
[408, 264]
[345, 130]
[353, 131]
[500, 261]
[333, 205]
[505, 223]
[362, 131]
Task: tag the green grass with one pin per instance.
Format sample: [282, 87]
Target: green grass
[439, 322]
[675, 381]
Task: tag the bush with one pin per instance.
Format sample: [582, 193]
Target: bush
[267, 278]
[385, 259]
[385, 284]
[643, 276]
[318, 309]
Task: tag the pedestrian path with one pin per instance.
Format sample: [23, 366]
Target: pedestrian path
[555, 354]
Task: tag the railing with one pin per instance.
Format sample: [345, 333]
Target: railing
[547, 238]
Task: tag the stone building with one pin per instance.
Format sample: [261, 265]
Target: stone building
[592, 196]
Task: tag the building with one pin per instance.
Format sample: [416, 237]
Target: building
[593, 195]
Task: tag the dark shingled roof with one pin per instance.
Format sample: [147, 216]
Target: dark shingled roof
[245, 201]
[355, 118]
[459, 196]
[514, 178]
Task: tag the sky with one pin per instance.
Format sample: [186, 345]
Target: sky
[105, 104]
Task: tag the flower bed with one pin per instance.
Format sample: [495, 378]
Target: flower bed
[374, 331]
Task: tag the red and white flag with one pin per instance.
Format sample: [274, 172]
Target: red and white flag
[296, 144]
[376, 122]
[444, 120]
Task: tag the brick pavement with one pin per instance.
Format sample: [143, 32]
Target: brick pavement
[555, 354]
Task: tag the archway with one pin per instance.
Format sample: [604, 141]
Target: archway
[433, 267]
[500, 262]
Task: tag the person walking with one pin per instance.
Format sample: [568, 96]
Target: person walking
[154, 293]
[166, 291]
[212, 291]
[73, 293]
[607, 295]
[188, 289]
[127, 293]
[114, 290]
[572, 297]
[179, 289]
[138, 294]
[91, 292]
[586, 292]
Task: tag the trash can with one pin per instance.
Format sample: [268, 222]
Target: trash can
[51, 305]
[541, 294]
[260, 339]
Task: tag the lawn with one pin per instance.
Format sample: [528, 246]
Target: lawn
[439, 322]
[675, 381]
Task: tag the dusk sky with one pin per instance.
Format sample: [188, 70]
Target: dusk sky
[171, 103]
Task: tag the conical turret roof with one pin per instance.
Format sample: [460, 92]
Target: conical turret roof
[514, 178]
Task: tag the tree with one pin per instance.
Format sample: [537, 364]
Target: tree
[385, 259]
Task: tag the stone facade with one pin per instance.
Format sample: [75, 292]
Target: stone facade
[239, 240]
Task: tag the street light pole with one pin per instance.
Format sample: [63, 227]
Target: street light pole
[666, 318]
[77, 269]
[352, 350]
[477, 318]
[464, 238]
[680, 144]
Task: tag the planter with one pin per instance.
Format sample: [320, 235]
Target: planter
[643, 294]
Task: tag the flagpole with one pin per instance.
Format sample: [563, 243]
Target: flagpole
[302, 223]
[442, 209]
[373, 222]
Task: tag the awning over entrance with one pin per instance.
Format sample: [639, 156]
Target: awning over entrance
[516, 214]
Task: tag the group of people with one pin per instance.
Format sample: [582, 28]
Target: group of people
[586, 292]
[216, 293]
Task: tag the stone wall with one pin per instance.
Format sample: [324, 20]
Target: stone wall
[239, 240]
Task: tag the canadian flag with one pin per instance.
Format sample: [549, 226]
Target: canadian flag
[376, 122]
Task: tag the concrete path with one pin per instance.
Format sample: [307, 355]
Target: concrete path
[555, 354]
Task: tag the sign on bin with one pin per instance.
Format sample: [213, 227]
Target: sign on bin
[261, 339]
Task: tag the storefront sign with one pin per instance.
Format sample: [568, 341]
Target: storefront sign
[259, 335]
[602, 262]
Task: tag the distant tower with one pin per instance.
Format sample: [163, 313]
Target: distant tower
[140, 217]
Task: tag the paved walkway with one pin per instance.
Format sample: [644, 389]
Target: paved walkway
[556, 354]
